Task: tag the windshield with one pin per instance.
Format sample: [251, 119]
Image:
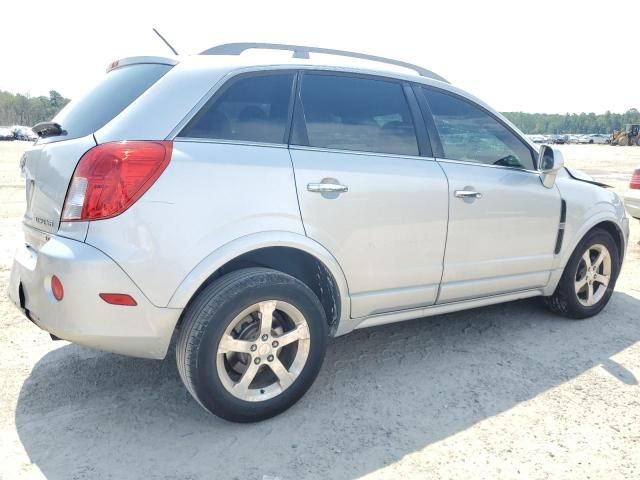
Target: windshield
[107, 99]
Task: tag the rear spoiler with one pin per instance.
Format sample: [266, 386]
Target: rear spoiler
[136, 60]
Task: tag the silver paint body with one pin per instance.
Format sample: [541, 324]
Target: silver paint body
[398, 243]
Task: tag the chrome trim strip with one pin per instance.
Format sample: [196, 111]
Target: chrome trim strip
[478, 164]
[229, 142]
[358, 152]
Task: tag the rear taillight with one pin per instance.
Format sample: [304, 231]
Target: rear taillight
[110, 178]
[635, 179]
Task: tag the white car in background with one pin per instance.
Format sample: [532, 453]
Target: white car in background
[6, 134]
[253, 208]
[21, 132]
[537, 138]
[599, 138]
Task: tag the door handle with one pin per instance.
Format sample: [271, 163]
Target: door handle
[327, 188]
[467, 194]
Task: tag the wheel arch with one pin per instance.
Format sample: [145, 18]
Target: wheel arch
[613, 229]
[604, 222]
[609, 225]
[287, 252]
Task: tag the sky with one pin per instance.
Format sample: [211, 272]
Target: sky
[534, 56]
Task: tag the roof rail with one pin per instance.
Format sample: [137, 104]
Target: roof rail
[300, 51]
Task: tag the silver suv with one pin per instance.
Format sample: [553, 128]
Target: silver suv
[253, 205]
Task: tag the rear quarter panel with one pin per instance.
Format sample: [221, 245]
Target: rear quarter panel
[209, 195]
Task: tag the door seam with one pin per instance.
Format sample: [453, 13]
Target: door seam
[446, 237]
[295, 184]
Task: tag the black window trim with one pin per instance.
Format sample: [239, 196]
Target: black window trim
[429, 120]
[419, 126]
[226, 83]
[422, 138]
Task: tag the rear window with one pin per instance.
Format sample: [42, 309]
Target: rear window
[251, 109]
[107, 99]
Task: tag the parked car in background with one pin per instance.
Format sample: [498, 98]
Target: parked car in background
[537, 138]
[599, 138]
[632, 196]
[271, 205]
[560, 139]
[6, 134]
[21, 132]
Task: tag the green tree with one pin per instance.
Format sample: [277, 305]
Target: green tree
[536, 123]
[22, 109]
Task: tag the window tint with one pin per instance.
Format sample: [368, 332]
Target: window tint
[253, 109]
[351, 113]
[108, 98]
[469, 133]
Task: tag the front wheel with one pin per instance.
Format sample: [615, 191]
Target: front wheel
[589, 277]
[251, 344]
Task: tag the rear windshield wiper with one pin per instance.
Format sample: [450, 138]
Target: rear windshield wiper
[48, 129]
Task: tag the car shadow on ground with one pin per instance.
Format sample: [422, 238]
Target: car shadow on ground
[383, 393]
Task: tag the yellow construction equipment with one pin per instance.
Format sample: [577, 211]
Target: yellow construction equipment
[629, 136]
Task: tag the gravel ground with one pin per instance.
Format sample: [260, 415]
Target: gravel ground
[508, 391]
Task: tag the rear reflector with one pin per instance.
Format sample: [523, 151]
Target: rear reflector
[111, 177]
[119, 299]
[56, 288]
[635, 179]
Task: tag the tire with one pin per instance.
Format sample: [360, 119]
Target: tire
[638, 141]
[566, 300]
[230, 310]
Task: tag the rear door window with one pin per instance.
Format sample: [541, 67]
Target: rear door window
[116, 91]
[470, 134]
[355, 113]
[252, 108]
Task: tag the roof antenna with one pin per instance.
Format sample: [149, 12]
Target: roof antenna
[165, 41]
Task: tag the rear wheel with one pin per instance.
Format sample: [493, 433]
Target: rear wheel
[638, 141]
[251, 344]
[589, 277]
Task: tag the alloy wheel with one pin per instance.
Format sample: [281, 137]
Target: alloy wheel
[263, 350]
[593, 275]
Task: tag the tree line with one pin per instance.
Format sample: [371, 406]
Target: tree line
[545, 123]
[18, 109]
[21, 109]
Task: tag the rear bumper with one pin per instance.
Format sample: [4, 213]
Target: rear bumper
[632, 202]
[82, 316]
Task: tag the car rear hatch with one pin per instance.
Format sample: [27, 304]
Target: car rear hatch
[49, 164]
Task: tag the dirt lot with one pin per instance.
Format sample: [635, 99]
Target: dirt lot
[508, 391]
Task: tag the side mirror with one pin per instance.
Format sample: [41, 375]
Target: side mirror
[550, 162]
